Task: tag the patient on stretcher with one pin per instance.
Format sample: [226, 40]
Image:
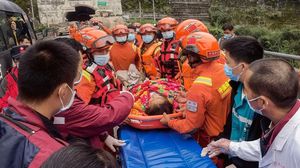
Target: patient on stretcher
[152, 99]
[158, 105]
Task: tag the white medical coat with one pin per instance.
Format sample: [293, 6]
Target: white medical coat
[283, 153]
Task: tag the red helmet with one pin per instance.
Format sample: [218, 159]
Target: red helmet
[189, 26]
[203, 44]
[147, 28]
[97, 39]
[167, 23]
[120, 29]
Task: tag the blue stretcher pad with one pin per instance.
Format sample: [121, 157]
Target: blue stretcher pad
[160, 149]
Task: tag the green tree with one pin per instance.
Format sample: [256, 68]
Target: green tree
[26, 6]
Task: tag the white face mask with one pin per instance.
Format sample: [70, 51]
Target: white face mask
[121, 39]
[259, 111]
[168, 34]
[76, 82]
[148, 38]
[68, 105]
[101, 59]
[131, 37]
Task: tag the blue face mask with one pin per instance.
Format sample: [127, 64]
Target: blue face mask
[131, 37]
[148, 38]
[227, 36]
[255, 110]
[101, 59]
[121, 39]
[168, 34]
[229, 72]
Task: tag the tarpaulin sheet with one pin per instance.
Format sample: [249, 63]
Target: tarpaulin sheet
[160, 149]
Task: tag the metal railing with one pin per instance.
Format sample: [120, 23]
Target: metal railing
[282, 55]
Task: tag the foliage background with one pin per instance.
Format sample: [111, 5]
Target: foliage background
[275, 23]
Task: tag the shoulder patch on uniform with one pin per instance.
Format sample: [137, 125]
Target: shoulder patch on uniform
[203, 80]
[225, 89]
[192, 106]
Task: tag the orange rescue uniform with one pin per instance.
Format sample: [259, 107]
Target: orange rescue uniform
[86, 88]
[186, 75]
[147, 59]
[208, 103]
[139, 39]
[122, 55]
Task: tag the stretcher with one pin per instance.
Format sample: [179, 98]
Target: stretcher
[162, 148]
[165, 87]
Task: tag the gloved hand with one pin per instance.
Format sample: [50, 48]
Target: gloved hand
[111, 142]
[217, 147]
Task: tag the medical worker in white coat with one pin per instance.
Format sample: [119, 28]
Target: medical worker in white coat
[271, 87]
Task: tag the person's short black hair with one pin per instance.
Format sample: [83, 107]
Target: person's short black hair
[227, 26]
[275, 79]
[22, 38]
[71, 42]
[80, 155]
[43, 67]
[244, 49]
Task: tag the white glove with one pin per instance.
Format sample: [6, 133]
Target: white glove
[216, 147]
[111, 142]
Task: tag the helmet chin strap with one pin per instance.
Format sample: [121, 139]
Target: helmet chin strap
[194, 64]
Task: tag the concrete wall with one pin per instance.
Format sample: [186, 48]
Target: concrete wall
[54, 11]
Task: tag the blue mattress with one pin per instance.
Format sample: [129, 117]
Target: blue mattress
[160, 149]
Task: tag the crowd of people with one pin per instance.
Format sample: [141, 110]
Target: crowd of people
[63, 98]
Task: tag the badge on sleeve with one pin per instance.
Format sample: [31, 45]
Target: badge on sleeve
[192, 106]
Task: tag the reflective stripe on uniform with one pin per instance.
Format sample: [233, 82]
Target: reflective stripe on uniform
[241, 118]
[203, 80]
[87, 75]
[91, 68]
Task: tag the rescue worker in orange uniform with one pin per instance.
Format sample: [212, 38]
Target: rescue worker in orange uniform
[167, 62]
[96, 23]
[136, 26]
[133, 36]
[122, 53]
[72, 29]
[208, 100]
[98, 84]
[149, 49]
[183, 29]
